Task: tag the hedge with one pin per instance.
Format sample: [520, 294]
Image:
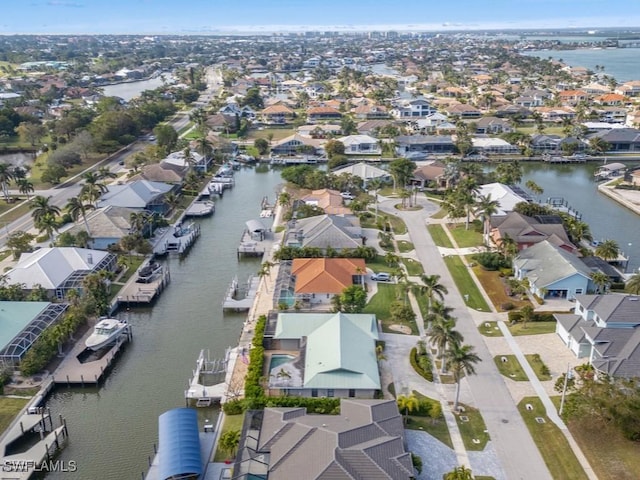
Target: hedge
[516, 316]
[327, 406]
[413, 358]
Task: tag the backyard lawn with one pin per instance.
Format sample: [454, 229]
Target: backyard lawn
[532, 328]
[437, 428]
[511, 368]
[472, 428]
[9, 408]
[278, 133]
[379, 305]
[439, 236]
[379, 265]
[553, 445]
[466, 286]
[466, 238]
[231, 422]
[495, 288]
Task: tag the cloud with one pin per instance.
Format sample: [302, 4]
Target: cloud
[64, 3]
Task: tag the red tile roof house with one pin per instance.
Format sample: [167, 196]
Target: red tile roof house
[573, 97]
[328, 200]
[318, 114]
[317, 280]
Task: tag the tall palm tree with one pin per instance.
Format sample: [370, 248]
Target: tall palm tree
[459, 473]
[93, 188]
[444, 337]
[76, 207]
[432, 288]
[407, 403]
[601, 281]
[608, 250]
[40, 208]
[375, 185]
[460, 359]
[485, 207]
[48, 224]
[25, 187]
[6, 175]
[507, 246]
[104, 173]
[633, 284]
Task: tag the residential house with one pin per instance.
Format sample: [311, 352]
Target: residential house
[366, 440]
[507, 196]
[365, 171]
[222, 123]
[629, 89]
[323, 113]
[194, 160]
[322, 130]
[433, 174]
[138, 195]
[325, 231]
[371, 127]
[59, 269]
[612, 114]
[463, 111]
[360, 145]
[106, 226]
[277, 114]
[163, 172]
[317, 280]
[527, 231]
[493, 145]
[621, 139]
[295, 144]
[430, 123]
[552, 272]
[573, 97]
[493, 126]
[611, 100]
[331, 355]
[604, 330]
[412, 109]
[328, 200]
[434, 144]
[532, 98]
[556, 114]
[369, 112]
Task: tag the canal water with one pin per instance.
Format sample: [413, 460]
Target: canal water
[607, 219]
[129, 90]
[113, 429]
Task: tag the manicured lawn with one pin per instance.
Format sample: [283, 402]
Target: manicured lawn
[379, 265]
[465, 238]
[542, 371]
[9, 216]
[439, 236]
[388, 192]
[379, 305]
[278, 133]
[231, 422]
[440, 214]
[414, 268]
[399, 228]
[611, 456]
[133, 263]
[405, 246]
[472, 429]
[492, 284]
[465, 283]
[552, 444]
[532, 328]
[9, 408]
[437, 428]
[490, 329]
[511, 368]
[547, 130]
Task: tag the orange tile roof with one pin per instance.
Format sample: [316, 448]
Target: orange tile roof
[325, 275]
[323, 111]
[328, 200]
[277, 108]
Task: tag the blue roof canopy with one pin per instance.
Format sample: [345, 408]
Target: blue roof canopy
[179, 444]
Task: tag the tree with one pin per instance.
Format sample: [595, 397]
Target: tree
[598, 145]
[485, 207]
[93, 187]
[334, 148]
[105, 173]
[77, 208]
[402, 170]
[509, 173]
[459, 473]
[432, 288]
[95, 288]
[608, 250]
[375, 185]
[534, 187]
[262, 145]
[352, 300]
[633, 284]
[166, 137]
[229, 441]
[443, 336]
[601, 281]
[526, 314]
[49, 225]
[460, 359]
[407, 404]
[25, 187]
[252, 99]
[19, 242]
[30, 132]
[41, 208]
[6, 175]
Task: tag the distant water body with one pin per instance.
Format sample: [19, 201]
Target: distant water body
[623, 64]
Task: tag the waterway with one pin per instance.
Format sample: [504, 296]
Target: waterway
[113, 429]
[623, 64]
[606, 218]
[130, 90]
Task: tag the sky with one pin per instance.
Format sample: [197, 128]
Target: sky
[214, 16]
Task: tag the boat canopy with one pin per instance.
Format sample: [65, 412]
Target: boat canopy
[179, 452]
[255, 226]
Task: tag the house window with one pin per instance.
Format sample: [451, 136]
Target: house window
[352, 393]
[314, 392]
[330, 393]
[578, 291]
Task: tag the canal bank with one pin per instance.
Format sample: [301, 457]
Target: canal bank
[113, 428]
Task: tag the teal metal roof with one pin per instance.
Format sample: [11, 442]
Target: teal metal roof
[340, 351]
[14, 316]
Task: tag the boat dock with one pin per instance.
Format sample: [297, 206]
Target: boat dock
[207, 383]
[20, 455]
[177, 239]
[200, 208]
[231, 302]
[561, 205]
[136, 294]
[82, 366]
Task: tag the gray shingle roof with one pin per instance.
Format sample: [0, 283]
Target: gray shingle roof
[137, 194]
[546, 264]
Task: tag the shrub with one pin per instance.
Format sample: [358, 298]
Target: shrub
[538, 299]
[416, 361]
[233, 407]
[507, 306]
[515, 316]
[491, 260]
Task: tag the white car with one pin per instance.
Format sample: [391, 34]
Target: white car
[381, 277]
[347, 195]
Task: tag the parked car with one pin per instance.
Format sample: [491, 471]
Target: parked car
[347, 195]
[381, 277]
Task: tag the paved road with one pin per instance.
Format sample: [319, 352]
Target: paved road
[514, 446]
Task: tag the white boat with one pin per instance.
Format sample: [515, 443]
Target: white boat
[105, 332]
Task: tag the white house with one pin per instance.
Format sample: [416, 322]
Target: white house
[360, 145]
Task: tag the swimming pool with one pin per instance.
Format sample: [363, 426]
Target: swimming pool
[279, 359]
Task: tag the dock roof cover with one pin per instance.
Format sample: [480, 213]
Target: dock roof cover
[179, 444]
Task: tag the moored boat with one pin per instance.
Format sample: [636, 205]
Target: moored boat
[104, 333]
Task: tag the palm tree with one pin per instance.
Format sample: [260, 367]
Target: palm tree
[459, 473]
[601, 281]
[49, 225]
[139, 221]
[104, 173]
[6, 175]
[534, 187]
[444, 337]
[408, 403]
[633, 284]
[507, 246]
[485, 207]
[93, 188]
[40, 208]
[608, 250]
[375, 185]
[25, 187]
[460, 359]
[76, 208]
[432, 288]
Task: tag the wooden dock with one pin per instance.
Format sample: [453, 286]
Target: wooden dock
[134, 294]
[73, 371]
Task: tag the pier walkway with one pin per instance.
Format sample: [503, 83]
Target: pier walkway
[231, 303]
